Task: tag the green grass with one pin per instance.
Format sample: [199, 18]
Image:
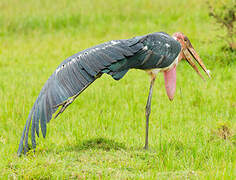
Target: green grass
[102, 134]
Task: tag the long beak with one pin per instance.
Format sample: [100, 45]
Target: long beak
[188, 52]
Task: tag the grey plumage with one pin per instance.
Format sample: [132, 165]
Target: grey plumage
[75, 74]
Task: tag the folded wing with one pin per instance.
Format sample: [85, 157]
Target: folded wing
[72, 76]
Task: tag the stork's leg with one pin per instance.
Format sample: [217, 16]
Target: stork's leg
[148, 109]
[66, 103]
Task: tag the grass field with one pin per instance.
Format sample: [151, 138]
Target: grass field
[101, 135]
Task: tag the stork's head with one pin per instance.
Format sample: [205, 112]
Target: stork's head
[187, 52]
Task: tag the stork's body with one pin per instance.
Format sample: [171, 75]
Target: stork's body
[152, 53]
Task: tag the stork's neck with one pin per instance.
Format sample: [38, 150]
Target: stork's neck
[155, 71]
[174, 63]
[174, 37]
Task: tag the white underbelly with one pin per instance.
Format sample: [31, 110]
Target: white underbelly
[156, 70]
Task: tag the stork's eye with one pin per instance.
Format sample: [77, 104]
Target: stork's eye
[185, 39]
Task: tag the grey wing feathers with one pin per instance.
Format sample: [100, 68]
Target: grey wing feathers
[72, 76]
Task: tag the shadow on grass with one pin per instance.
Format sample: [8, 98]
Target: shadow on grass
[97, 143]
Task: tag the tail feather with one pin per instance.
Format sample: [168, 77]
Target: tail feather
[43, 119]
[33, 127]
[25, 136]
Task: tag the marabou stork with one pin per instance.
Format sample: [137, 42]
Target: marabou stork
[153, 53]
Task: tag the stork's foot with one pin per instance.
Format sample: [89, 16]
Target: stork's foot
[63, 105]
[146, 147]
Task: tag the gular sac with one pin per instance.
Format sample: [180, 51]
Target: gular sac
[170, 82]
